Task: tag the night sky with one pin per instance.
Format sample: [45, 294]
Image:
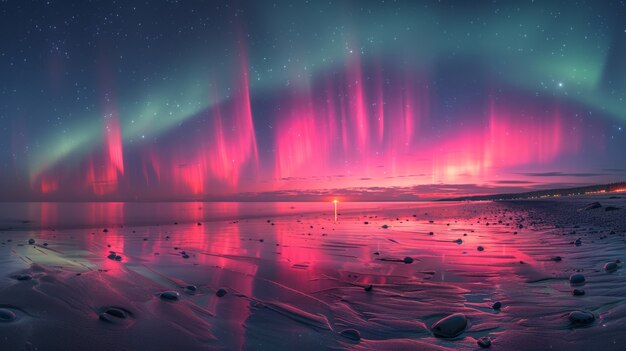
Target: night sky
[262, 100]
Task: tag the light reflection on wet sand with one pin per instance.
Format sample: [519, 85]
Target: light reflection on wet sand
[299, 278]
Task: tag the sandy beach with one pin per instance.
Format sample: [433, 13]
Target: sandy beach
[380, 278]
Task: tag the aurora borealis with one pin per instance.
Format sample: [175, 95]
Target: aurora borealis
[180, 100]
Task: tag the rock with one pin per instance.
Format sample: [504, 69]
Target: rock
[593, 206]
[450, 326]
[23, 277]
[484, 342]
[556, 259]
[459, 241]
[577, 279]
[118, 258]
[385, 226]
[220, 292]
[7, 315]
[369, 288]
[111, 256]
[31, 241]
[113, 315]
[170, 295]
[185, 255]
[408, 260]
[480, 248]
[191, 289]
[610, 267]
[351, 334]
[496, 305]
[578, 292]
[581, 317]
[578, 242]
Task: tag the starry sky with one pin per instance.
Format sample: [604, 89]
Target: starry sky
[308, 100]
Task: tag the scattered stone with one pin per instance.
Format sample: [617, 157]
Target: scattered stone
[385, 226]
[7, 315]
[351, 334]
[170, 295]
[556, 259]
[369, 287]
[578, 242]
[496, 305]
[23, 277]
[459, 241]
[480, 248]
[105, 230]
[31, 241]
[408, 260]
[577, 279]
[578, 292]
[190, 289]
[113, 315]
[185, 256]
[484, 342]
[450, 326]
[610, 267]
[581, 317]
[220, 292]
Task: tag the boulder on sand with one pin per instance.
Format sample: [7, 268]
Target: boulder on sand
[450, 326]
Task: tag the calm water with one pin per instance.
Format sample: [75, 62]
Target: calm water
[58, 215]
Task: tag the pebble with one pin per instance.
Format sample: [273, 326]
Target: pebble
[113, 315]
[581, 317]
[385, 226]
[577, 279]
[484, 342]
[610, 267]
[480, 248]
[496, 305]
[24, 277]
[408, 260]
[170, 295]
[191, 289]
[369, 288]
[351, 334]
[578, 292]
[31, 241]
[220, 292]
[450, 326]
[459, 241]
[7, 315]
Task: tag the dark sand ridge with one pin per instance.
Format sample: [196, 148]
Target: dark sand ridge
[301, 280]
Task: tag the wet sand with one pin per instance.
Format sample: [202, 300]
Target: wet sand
[379, 278]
